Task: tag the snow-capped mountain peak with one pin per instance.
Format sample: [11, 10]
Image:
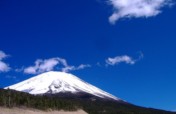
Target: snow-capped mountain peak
[56, 82]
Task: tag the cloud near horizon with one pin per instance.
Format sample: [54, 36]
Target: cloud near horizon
[60, 64]
[51, 64]
[4, 67]
[136, 8]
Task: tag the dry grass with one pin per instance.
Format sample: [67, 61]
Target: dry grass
[35, 111]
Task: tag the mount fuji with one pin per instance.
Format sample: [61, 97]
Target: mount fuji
[60, 90]
[55, 83]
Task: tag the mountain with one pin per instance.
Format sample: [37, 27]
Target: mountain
[60, 83]
[64, 91]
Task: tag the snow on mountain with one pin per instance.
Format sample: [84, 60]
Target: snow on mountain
[56, 82]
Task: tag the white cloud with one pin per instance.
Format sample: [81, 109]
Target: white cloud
[47, 65]
[3, 55]
[4, 67]
[120, 59]
[31, 70]
[82, 66]
[68, 68]
[72, 68]
[136, 8]
[42, 66]
[51, 64]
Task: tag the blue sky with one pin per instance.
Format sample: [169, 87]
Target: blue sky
[124, 47]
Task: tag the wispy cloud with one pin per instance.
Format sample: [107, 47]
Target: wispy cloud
[4, 67]
[136, 8]
[83, 66]
[120, 59]
[71, 68]
[123, 59]
[41, 66]
[3, 55]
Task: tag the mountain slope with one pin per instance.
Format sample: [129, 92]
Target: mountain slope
[59, 82]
